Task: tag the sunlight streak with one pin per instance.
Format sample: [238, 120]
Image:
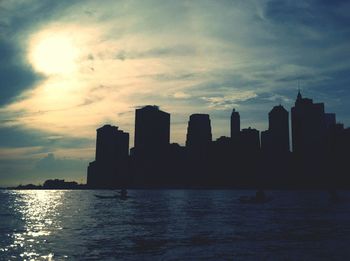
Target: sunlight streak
[39, 210]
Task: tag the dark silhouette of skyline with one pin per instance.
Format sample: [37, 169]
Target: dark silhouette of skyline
[245, 159]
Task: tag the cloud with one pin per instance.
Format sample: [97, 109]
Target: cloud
[170, 51]
[52, 164]
[19, 153]
[181, 95]
[229, 101]
[28, 170]
[16, 76]
[246, 54]
[185, 59]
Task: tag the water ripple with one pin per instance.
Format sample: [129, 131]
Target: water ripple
[172, 225]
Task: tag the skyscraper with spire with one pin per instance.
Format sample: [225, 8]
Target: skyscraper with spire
[308, 126]
[235, 124]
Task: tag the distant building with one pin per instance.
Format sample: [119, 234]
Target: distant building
[266, 141]
[112, 151]
[276, 138]
[60, 184]
[199, 134]
[308, 126]
[222, 148]
[330, 120]
[250, 140]
[235, 124]
[152, 131]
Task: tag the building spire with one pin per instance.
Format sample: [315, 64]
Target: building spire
[299, 97]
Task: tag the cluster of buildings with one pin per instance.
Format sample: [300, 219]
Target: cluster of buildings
[247, 158]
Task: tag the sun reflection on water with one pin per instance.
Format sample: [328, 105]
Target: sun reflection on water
[38, 210]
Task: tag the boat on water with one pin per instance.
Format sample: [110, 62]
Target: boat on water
[103, 197]
[253, 200]
[259, 198]
[113, 196]
[123, 194]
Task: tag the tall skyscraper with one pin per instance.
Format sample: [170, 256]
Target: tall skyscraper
[112, 150]
[198, 131]
[152, 130]
[308, 126]
[112, 144]
[235, 124]
[276, 138]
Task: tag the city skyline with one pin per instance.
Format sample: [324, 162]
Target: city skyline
[248, 158]
[231, 121]
[68, 67]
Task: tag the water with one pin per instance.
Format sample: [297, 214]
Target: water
[173, 225]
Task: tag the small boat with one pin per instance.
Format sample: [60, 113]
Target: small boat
[253, 200]
[259, 198]
[123, 195]
[105, 197]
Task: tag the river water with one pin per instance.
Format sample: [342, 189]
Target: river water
[173, 225]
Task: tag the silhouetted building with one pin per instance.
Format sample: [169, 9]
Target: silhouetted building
[276, 138]
[330, 120]
[221, 150]
[333, 134]
[112, 144]
[334, 138]
[266, 141]
[198, 141]
[110, 165]
[235, 124]
[59, 184]
[250, 140]
[152, 131]
[308, 126]
[198, 131]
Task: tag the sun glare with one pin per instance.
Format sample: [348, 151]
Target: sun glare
[53, 53]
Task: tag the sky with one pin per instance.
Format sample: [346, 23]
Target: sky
[69, 67]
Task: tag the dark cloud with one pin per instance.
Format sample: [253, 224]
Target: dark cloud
[24, 16]
[17, 137]
[89, 101]
[181, 50]
[310, 12]
[172, 77]
[15, 74]
[307, 18]
[52, 164]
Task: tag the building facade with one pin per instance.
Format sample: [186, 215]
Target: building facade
[152, 131]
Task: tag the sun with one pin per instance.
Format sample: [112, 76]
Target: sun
[53, 53]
